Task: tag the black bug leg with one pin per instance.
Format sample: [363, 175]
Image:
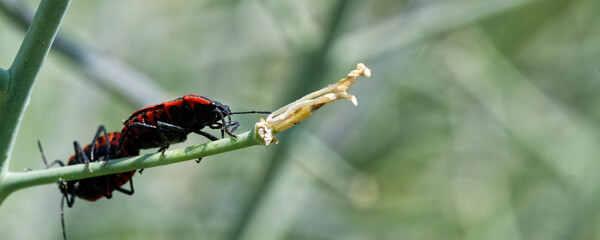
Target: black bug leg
[226, 125]
[108, 186]
[147, 126]
[161, 128]
[223, 125]
[95, 141]
[230, 126]
[125, 191]
[218, 126]
[230, 123]
[234, 126]
[59, 162]
[81, 155]
[64, 188]
[122, 141]
[104, 188]
[206, 135]
[140, 125]
[62, 217]
[162, 149]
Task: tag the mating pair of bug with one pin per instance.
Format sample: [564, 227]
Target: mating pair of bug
[155, 126]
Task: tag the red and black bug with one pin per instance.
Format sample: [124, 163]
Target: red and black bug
[102, 148]
[170, 122]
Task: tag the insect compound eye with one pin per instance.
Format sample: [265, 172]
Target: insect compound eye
[224, 109]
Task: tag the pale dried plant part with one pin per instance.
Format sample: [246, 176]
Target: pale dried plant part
[295, 112]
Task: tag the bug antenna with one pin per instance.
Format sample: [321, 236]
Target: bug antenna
[42, 152]
[62, 216]
[251, 112]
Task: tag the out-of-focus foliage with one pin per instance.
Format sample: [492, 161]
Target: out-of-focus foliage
[479, 122]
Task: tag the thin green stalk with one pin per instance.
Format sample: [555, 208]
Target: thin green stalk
[13, 181]
[108, 73]
[23, 72]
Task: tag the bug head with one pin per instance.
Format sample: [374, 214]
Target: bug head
[222, 108]
[224, 116]
[222, 119]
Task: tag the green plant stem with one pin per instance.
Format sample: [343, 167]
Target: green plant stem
[106, 72]
[3, 82]
[23, 71]
[13, 181]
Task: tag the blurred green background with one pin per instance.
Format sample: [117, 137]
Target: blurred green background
[479, 122]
